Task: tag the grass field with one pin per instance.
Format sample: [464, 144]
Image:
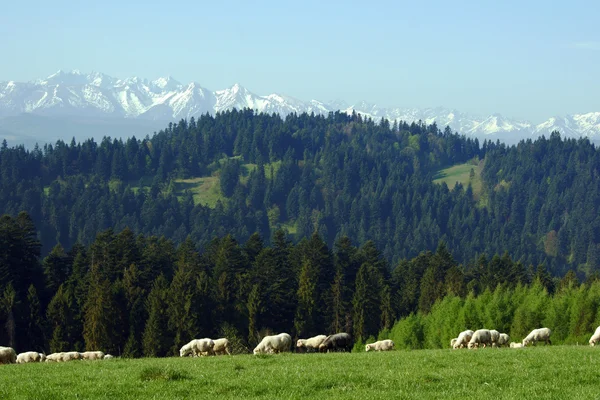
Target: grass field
[205, 190]
[461, 173]
[553, 372]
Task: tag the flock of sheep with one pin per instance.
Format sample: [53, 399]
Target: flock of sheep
[283, 343]
[9, 356]
[493, 338]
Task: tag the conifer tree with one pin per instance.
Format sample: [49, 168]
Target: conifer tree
[157, 338]
[99, 313]
[36, 332]
[9, 304]
[57, 268]
[306, 320]
[60, 319]
[367, 305]
[135, 296]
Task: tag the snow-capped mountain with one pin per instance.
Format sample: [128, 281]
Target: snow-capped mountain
[96, 95]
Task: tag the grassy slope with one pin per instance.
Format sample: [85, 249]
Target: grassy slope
[554, 372]
[206, 190]
[461, 173]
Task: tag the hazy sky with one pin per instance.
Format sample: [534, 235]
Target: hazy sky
[523, 59]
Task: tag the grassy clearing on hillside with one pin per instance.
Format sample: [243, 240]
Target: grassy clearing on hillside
[553, 372]
[461, 173]
[206, 190]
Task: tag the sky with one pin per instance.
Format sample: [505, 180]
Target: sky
[523, 59]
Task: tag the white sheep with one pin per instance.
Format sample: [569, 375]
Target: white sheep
[595, 337]
[197, 347]
[92, 355]
[516, 345]
[480, 337]
[494, 336]
[63, 356]
[538, 335]
[222, 346]
[7, 355]
[382, 345]
[29, 357]
[311, 344]
[274, 344]
[503, 340]
[108, 357]
[54, 357]
[463, 339]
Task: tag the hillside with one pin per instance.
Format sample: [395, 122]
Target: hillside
[241, 173]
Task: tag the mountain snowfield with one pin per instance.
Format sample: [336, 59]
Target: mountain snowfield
[96, 95]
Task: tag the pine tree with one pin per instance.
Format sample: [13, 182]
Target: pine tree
[157, 338]
[367, 305]
[306, 320]
[135, 296]
[99, 314]
[57, 268]
[60, 319]
[36, 328]
[9, 303]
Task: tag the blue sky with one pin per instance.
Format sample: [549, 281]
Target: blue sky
[523, 59]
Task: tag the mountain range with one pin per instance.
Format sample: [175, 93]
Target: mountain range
[72, 104]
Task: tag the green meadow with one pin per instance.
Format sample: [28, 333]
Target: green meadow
[461, 173]
[542, 372]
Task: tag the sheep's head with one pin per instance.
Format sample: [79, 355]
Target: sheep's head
[368, 347]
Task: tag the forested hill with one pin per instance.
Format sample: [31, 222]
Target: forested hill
[340, 175]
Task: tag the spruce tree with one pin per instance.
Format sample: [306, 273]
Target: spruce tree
[157, 338]
[36, 329]
[135, 296]
[99, 313]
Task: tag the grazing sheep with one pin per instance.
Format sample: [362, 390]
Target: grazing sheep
[197, 347]
[338, 342]
[63, 357]
[538, 335]
[92, 355]
[222, 346]
[595, 337]
[54, 357]
[311, 344]
[42, 357]
[108, 357]
[463, 339]
[382, 345]
[516, 345]
[480, 337]
[503, 340]
[494, 335]
[274, 344]
[7, 355]
[71, 355]
[29, 357]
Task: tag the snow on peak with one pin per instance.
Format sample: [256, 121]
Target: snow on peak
[166, 98]
[166, 83]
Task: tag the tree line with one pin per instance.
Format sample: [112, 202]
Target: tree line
[340, 175]
[571, 311]
[139, 295]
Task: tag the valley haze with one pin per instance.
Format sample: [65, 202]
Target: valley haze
[73, 104]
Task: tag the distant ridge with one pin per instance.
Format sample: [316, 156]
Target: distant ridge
[97, 95]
